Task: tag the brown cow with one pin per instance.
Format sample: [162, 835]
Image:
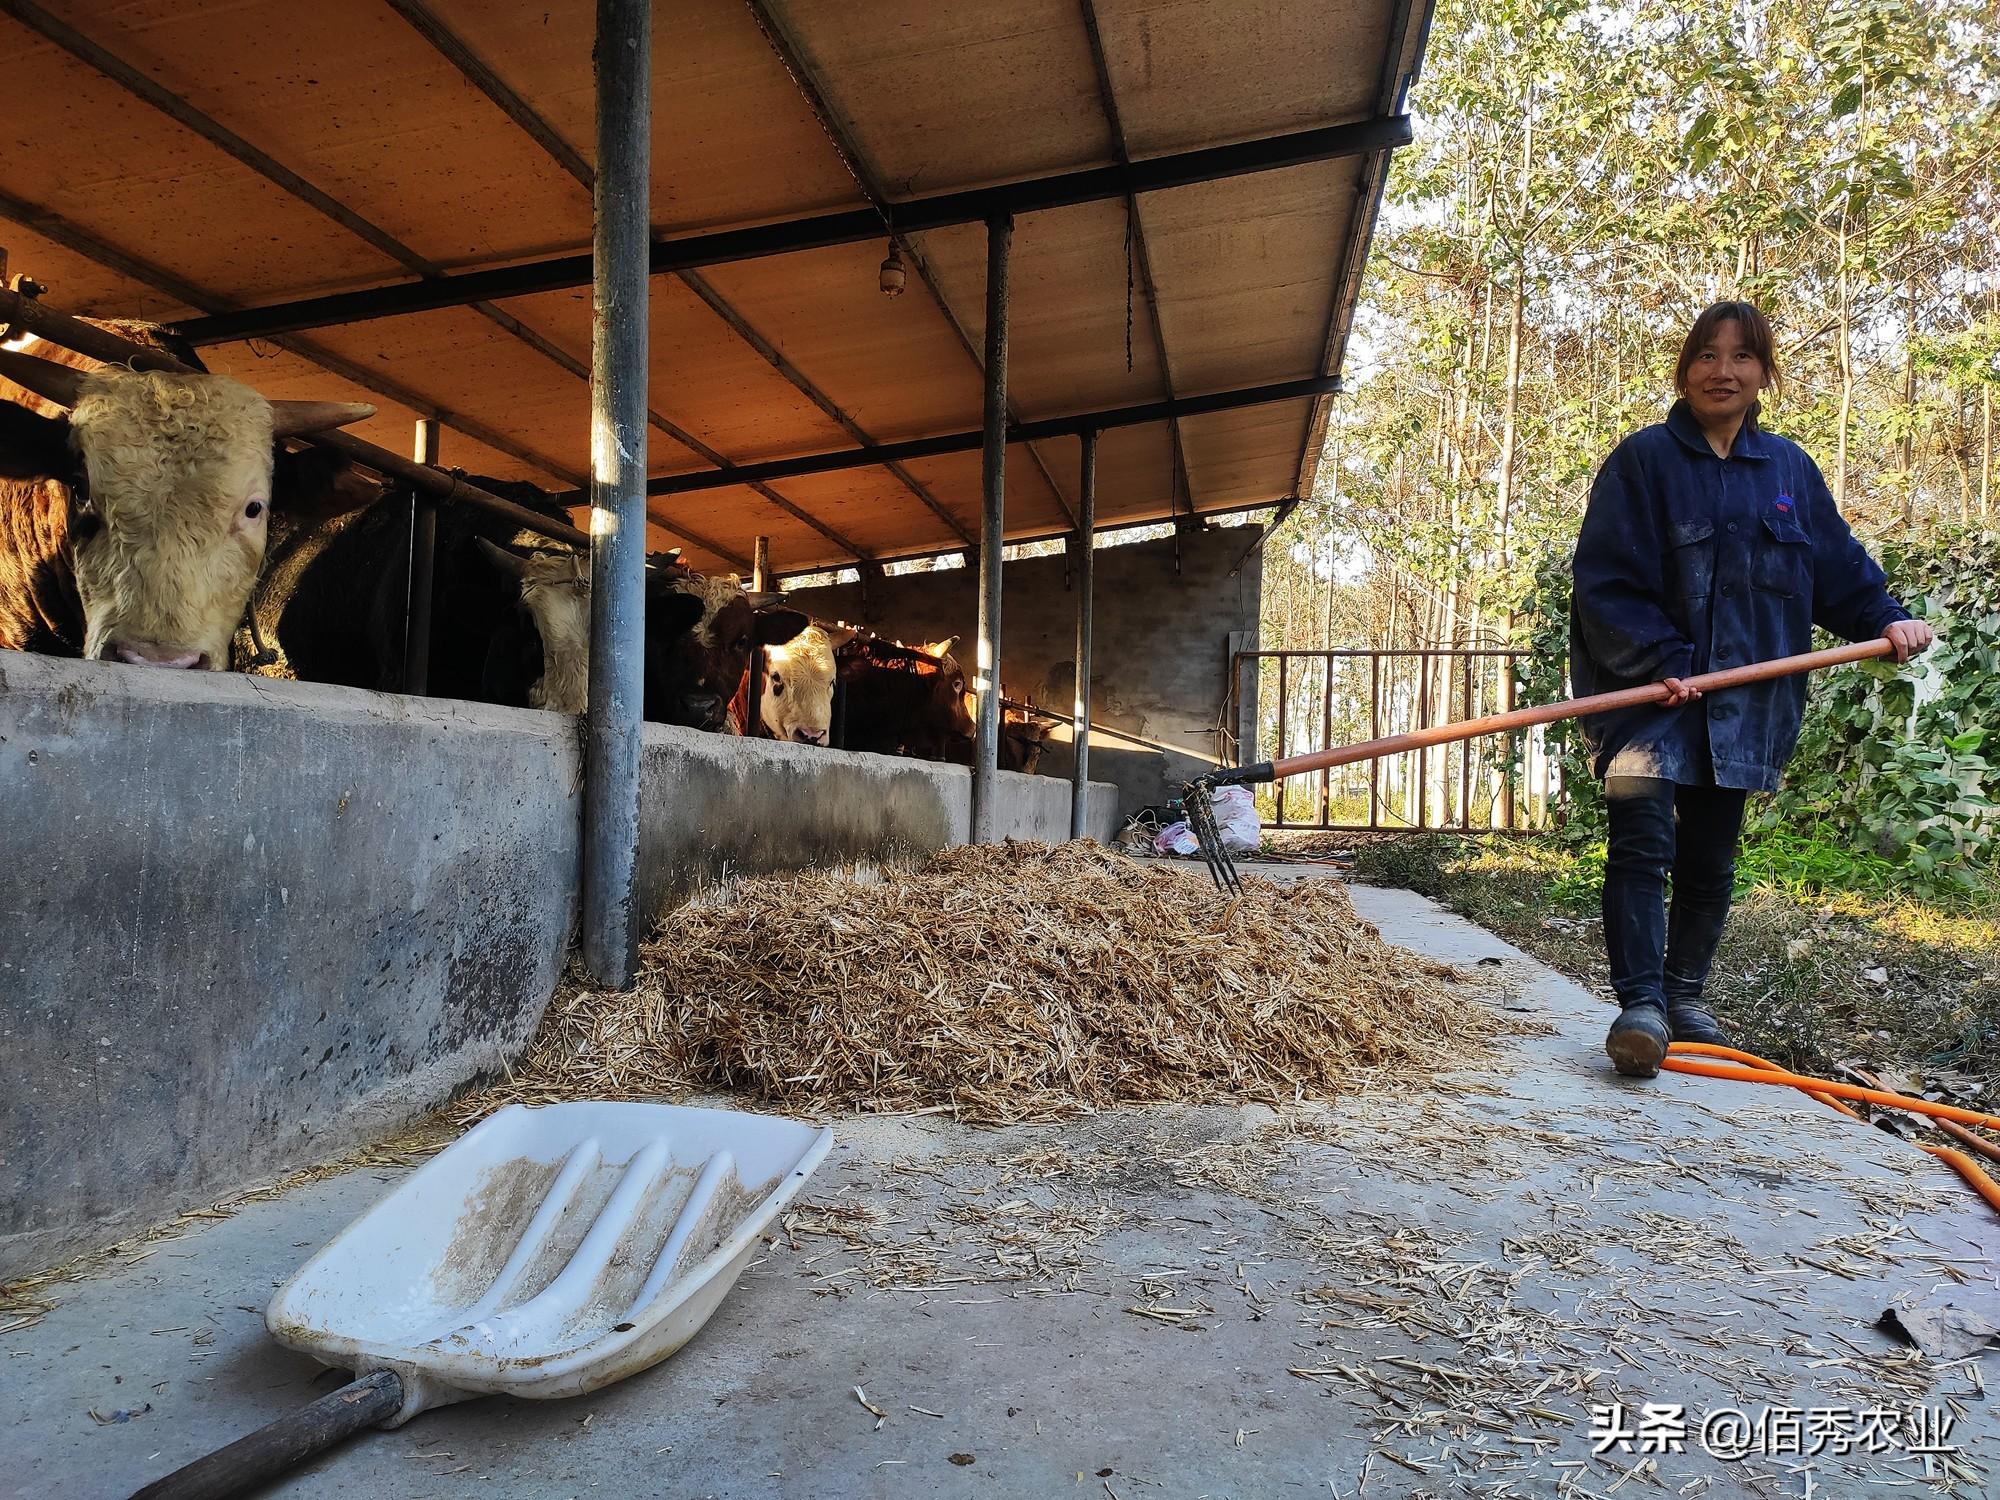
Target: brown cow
[133, 528]
[903, 701]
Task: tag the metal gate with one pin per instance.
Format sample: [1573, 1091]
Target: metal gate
[1315, 700]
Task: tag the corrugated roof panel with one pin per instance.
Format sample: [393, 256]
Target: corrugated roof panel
[872, 508]
[1186, 74]
[1246, 269]
[733, 143]
[1236, 457]
[937, 97]
[1031, 504]
[735, 518]
[1068, 310]
[352, 99]
[892, 364]
[75, 142]
[946, 96]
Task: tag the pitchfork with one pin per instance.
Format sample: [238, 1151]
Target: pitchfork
[1200, 810]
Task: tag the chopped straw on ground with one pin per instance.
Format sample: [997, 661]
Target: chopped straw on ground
[1006, 983]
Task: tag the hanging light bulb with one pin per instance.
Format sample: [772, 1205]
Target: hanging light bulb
[895, 275]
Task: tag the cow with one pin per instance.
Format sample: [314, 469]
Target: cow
[133, 527]
[552, 644]
[699, 631]
[796, 699]
[333, 603]
[902, 701]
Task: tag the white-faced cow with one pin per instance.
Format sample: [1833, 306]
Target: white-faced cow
[699, 634]
[796, 703]
[555, 594]
[133, 528]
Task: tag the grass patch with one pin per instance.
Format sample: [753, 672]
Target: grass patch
[1812, 971]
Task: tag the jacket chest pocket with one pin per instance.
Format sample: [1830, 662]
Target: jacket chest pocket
[1691, 558]
[1782, 563]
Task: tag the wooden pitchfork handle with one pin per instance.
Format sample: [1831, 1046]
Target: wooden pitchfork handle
[1547, 713]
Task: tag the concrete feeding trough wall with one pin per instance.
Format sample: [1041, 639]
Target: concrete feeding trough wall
[246, 924]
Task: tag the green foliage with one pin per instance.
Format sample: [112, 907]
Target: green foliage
[1891, 764]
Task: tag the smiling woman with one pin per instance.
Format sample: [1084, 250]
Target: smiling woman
[1708, 544]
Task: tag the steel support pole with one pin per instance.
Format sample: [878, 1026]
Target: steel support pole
[1086, 571]
[992, 532]
[621, 242]
[423, 568]
[760, 566]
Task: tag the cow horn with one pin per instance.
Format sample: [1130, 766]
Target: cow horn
[47, 379]
[297, 418]
[511, 563]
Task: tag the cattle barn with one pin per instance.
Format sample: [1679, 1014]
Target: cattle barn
[816, 292]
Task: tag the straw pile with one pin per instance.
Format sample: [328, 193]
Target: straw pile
[1006, 983]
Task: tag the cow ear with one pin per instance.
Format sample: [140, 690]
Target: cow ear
[776, 626]
[675, 611]
[32, 446]
[941, 648]
[839, 635]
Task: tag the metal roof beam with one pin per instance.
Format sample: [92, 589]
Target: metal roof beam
[1184, 487]
[1017, 432]
[482, 77]
[55, 227]
[1067, 536]
[847, 227]
[841, 135]
[1394, 85]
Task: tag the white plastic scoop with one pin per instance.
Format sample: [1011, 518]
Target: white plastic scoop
[547, 1252]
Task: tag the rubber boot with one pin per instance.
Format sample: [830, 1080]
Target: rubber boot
[1638, 1039]
[1691, 1023]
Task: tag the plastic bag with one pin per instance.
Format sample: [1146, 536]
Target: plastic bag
[1235, 819]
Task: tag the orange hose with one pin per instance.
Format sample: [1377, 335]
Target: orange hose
[1684, 1057]
[1970, 1170]
[1881, 1097]
[1751, 1060]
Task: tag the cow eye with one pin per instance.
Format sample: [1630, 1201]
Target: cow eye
[777, 688]
[958, 684]
[85, 523]
[253, 510]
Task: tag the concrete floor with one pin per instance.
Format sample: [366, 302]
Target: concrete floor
[1400, 1294]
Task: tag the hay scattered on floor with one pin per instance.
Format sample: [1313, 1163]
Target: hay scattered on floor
[1008, 983]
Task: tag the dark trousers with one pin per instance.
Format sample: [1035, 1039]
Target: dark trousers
[1657, 828]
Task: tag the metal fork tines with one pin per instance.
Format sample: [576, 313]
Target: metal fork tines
[1201, 822]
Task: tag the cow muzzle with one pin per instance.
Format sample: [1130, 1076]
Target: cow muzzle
[703, 710]
[151, 654]
[809, 736]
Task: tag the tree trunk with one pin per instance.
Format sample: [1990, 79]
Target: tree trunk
[1510, 409]
[1986, 448]
[1909, 400]
[1844, 353]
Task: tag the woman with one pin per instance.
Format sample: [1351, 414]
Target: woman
[1708, 544]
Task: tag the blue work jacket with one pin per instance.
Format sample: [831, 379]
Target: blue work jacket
[1690, 563]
